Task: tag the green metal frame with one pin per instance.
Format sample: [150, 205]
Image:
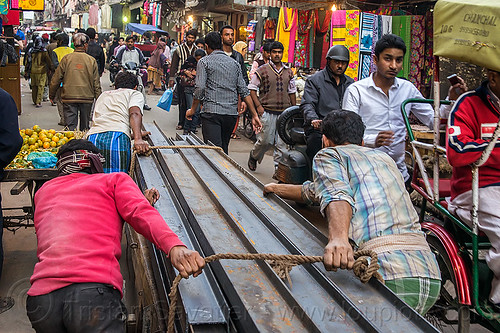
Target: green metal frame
[491, 316]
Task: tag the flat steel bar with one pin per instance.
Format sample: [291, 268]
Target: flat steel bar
[256, 304]
[201, 297]
[374, 304]
[265, 238]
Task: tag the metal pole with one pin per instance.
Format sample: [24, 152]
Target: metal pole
[437, 122]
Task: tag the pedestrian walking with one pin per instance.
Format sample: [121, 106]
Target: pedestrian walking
[188, 81]
[219, 83]
[155, 67]
[59, 52]
[79, 76]
[38, 68]
[276, 86]
[95, 50]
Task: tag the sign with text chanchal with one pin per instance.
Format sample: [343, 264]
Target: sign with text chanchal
[36, 5]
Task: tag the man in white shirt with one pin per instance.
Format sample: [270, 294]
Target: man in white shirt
[378, 98]
[118, 120]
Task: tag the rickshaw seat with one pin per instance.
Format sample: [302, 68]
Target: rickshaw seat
[444, 186]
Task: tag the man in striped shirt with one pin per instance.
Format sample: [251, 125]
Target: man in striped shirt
[362, 194]
[219, 82]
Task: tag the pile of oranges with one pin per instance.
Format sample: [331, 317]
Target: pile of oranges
[38, 139]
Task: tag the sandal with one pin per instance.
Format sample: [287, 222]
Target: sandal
[235, 136]
[252, 163]
[6, 303]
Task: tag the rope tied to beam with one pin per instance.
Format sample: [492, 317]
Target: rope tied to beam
[133, 160]
[282, 264]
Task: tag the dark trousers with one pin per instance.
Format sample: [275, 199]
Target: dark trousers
[71, 115]
[190, 125]
[181, 96]
[79, 307]
[217, 128]
[314, 141]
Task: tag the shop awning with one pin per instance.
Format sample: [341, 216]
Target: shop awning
[142, 28]
[467, 30]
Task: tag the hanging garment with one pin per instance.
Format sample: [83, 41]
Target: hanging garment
[401, 26]
[75, 21]
[158, 15]
[106, 17]
[377, 33]
[366, 37]
[338, 31]
[417, 50]
[386, 25]
[4, 7]
[94, 15]
[270, 29]
[428, 71]
[85, 21]
[153, 14]
[322, 27]
[302, 53]
[287, 32]
[352, 42]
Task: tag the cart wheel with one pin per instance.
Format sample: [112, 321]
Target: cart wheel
[447, 309]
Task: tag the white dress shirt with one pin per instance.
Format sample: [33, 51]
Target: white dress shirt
[383, 113]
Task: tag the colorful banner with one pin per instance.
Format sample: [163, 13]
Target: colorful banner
[35, 5]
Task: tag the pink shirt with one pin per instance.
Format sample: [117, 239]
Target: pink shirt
[79, 220]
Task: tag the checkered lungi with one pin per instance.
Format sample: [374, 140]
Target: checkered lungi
[419, 293]
[116, 149]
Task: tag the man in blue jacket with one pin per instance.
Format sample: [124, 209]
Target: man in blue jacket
[10, 143]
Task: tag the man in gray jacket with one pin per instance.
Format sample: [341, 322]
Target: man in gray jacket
[323, 92]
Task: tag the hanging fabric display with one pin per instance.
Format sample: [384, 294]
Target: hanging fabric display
[386, 24]
[401, 26]
[94, 15]
[417, 50]
[153, 13]
[366, 37]
[321, 38]
[345, 31]
[352, 42]
[302, 54]
[270, 29]
[85, 21]
[428, 71]
[106, 16]
[4, 7]
[158, 15]
[287, 32]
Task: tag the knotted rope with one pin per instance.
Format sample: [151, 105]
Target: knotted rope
[282, 264]
[150, 151]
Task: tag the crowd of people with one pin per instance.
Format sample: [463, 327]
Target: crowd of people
[355, 138]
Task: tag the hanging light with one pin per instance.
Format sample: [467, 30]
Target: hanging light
[334, 7]
[190, 19]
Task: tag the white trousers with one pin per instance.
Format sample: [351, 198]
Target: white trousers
[489, 223]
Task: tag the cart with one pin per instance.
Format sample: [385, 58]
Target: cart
[32, 179]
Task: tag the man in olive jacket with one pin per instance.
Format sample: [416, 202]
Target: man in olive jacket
[79, 76]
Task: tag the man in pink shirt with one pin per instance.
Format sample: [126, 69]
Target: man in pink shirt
[76, 285]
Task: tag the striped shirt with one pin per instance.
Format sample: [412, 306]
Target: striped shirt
[370, 182]
[218, 83]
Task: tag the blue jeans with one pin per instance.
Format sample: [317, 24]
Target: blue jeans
[190, 125]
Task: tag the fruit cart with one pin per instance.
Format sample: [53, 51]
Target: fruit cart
[21, 174]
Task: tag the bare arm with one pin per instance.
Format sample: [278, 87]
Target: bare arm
[135, 117]
[256, 124]
[293, 99]
[256, 102]
[338, 251]
[285, 191]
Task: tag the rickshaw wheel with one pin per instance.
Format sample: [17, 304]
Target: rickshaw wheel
[448, 298]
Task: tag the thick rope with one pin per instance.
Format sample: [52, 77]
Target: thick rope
[150, 151]
[282, 264]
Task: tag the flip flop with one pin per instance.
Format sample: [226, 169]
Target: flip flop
[6, 303]
[234, 136]
[178, 127]
[252, 163]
